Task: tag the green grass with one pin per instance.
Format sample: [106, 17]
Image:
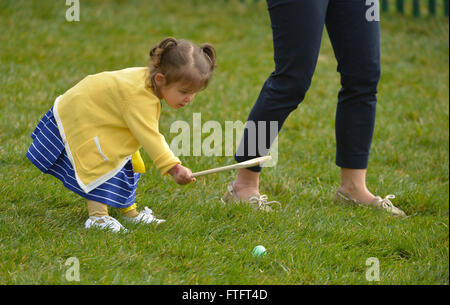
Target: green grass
[310, 240]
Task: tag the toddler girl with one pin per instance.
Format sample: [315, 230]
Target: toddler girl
[90, 138]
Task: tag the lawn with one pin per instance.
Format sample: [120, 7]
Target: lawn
[310, 240]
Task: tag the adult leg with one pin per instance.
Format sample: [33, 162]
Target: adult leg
[356, 43]
[297, 28]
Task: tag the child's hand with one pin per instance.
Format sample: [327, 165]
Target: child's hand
[182, 175]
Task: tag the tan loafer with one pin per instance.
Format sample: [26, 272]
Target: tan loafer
[259, 202]
[378, 203]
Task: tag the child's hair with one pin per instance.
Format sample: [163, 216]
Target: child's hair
[182, 60]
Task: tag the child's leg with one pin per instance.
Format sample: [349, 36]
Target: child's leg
[99, 217]
[97, 209]
[144, 216]
[129, 212]
[100, 209]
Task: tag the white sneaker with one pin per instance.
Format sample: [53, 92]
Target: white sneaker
[146, 216]
[105, 223]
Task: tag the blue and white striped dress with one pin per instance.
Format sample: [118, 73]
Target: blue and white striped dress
[47, 153]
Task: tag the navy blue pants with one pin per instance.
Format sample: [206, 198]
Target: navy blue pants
[297, 27]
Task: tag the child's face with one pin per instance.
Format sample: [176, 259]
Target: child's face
[177, 94]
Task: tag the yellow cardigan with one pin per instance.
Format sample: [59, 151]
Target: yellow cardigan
[105, 119]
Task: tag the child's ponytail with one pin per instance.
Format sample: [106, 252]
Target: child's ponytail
[210, 53]
[158, 50]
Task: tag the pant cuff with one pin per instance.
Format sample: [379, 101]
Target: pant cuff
[352, 161]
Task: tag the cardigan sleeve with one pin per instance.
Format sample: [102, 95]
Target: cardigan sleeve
[141, 117]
